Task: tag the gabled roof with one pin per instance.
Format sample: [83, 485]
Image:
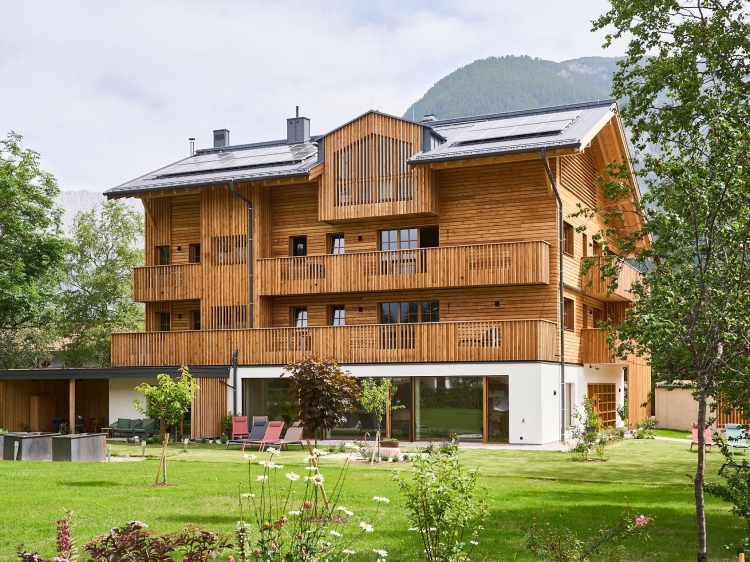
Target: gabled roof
[245, 162]
[563, 126]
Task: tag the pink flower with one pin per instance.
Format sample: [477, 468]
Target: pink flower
[641, 521]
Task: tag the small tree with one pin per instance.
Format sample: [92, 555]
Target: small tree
[325, 392]
[169, 400]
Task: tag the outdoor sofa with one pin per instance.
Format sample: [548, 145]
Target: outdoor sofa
[124, 427]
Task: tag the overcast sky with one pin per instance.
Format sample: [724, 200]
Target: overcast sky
[109, 91]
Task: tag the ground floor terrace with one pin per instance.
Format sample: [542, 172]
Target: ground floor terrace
[487, 402]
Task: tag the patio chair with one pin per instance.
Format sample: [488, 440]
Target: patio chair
[694, 429]
[736, 437]
[259, 418]
[88, 425]
[257, 432]
[272, 435]
[239, 428]
[293, 436]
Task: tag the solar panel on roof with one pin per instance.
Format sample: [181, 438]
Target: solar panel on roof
[532, 125]
[250, 158]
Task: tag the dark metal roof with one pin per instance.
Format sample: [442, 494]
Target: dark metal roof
[199, 371]
[460, 144]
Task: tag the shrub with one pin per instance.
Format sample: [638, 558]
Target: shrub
[734, 490]
[297, 525]
[622, 411]
[223, 439]
[443, 505]
[646, 429]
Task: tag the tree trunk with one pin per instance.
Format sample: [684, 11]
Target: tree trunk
[700, 508]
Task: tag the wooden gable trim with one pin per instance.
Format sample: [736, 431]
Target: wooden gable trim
[487, 160]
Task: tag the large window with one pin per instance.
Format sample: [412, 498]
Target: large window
[269, 397]
[409, 312]
[402, 239]
[165, 321]
[448, 407]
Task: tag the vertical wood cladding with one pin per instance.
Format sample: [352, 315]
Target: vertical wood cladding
[209, 406]
[158, 225]
[366, 174]
[185, 221]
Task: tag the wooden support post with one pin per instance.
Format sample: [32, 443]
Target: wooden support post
[485, 411]
[72, 406]
[742, 557]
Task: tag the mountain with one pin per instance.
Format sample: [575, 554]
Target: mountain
[511, 83]
[74, 202]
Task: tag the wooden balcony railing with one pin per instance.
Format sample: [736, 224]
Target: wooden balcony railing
[517, 263]
[594, 348]
[506, 340]
[598, 287]
[167, 282]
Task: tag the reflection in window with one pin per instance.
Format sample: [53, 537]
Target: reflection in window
[299, 317]
[338, 315]
[336, 244]
[448, 407]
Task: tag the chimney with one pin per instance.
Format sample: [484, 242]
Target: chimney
[297, 129]
[192, 146]
[429, 117]
[221, 138]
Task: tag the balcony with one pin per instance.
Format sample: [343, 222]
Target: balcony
[517, 263]
[598, 288]
[167, 283]
[594, 348]
[503, 340]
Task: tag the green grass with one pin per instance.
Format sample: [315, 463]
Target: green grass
[543, 484]
[674, 433]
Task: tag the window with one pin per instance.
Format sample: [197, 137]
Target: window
[596, 249]
[299, 317]
[570, 404]
[195, 253]
[402, 239]
[585, 245]
[337, 315]
[409, 312]
[429, 237]
[164, 321]
[163, 255]
[431, 311]
[569, 314]
[568, 234]
[195, 319]
[299, 245]
[336, 243]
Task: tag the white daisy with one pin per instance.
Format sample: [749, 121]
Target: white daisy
[294, 512]
[317, 479]
[249, 457]
[262, 478]
[348, 551]
[366, 526]
[336, 534]
[292, 476]
[379, 499]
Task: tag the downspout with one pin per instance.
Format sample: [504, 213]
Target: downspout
[234, 381]
[561, 287]
[249, 251]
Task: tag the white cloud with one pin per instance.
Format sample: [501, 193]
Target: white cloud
[109, 91]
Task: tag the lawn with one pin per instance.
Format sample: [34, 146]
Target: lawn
[543, 484]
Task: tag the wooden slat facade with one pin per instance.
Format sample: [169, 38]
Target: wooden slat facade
[513, 340]
[366, 173]
[209, 406]
[167, 283]
[593, 284]
[520, 263]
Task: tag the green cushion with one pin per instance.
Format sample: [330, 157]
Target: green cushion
[123, 423]
[148, 425]
[136, 424]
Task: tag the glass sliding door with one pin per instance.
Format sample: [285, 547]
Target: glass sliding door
[401, 409]
[498, 424]
[269, 397]
[448, 407]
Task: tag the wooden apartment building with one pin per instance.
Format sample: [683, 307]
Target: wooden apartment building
[427, 252]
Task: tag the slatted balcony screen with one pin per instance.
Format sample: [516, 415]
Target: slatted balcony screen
[229, 250]
[229, 317]
[373, 169]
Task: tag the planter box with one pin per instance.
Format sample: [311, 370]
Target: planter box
[389, 444]
[81, 447]
[33, 446]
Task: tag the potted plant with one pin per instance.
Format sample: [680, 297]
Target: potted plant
[389, 443]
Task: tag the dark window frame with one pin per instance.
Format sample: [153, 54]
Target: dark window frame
[569, 239]
[163, 255]
[195, 319]
[294, 242]
[412, 311]
[335, 319]
[165, 322]
[194, 253]
[333, 248]
[569, 314]
[299, 313]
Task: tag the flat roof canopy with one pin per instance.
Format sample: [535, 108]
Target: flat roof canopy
[199, 372]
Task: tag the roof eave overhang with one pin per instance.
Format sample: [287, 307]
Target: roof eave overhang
[198, 371]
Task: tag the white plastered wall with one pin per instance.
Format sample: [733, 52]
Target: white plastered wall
[534, 390]
[121, 395]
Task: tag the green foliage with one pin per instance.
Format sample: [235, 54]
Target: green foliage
[443, 505]
[622, 411]
[559, 544]
[377, 395]
[97, 298]
[592, 418]
[325, 392]
[646, 429]
[226, 422]
[32, 251]
[512, 83]
[466, 393]
[734, 490]
[685, 80]
[170, 399]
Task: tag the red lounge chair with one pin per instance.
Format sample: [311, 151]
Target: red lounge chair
[239, 428]
[272, 435]
[694, 428]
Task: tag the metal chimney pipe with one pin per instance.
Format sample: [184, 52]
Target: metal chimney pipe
[297, 110]
[192, 146]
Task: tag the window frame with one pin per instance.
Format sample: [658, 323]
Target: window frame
[402, 309]
[333, 319]
[162, 317]
[159, 252]
[569, 239]
[569, 314]
[331, 245]
[293, 241]
[194, 253]
[195, 319]
[295, 310]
